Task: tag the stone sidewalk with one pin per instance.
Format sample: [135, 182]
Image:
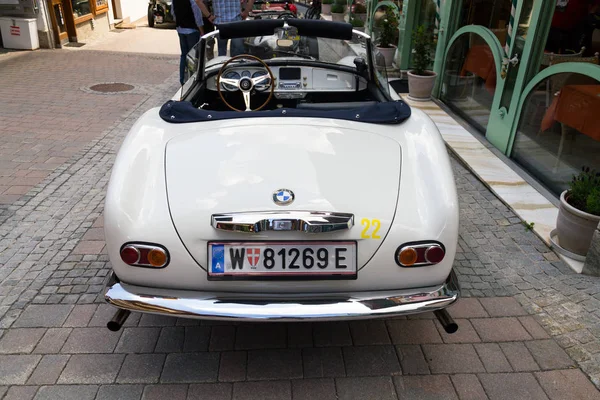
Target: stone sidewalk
[528, 326]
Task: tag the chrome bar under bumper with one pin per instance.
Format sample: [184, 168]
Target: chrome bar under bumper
[225, 306]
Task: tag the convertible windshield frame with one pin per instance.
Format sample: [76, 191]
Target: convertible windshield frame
[267, 27]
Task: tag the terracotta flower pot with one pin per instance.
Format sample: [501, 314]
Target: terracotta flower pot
[338, 17]
[326, 9]
[574, 227]
[420, 86]
[388, 54]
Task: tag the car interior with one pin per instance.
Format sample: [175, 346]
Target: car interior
[289, 80]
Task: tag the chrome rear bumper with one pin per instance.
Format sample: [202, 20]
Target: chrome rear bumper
[252, 307]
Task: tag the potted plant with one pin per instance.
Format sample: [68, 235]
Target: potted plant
[385, 43]
[579, 212]
[420, 79]
[337, 12]
[326, 7]
[342, 3]
[360, 11]
[358, 24]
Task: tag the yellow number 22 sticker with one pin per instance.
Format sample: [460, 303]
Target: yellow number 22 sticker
[367, 223]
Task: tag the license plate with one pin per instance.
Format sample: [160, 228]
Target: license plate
[282, 259]
[158, 19]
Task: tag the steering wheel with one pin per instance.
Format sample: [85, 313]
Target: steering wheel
[245, 83]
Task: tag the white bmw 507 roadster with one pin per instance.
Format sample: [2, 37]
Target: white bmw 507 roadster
[283, 184]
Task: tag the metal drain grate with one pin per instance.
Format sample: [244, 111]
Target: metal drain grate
[112, 87]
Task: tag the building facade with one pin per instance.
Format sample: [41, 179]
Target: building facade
[525, 74]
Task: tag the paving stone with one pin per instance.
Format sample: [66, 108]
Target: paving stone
[372, 388]
[141, 368]
[567, 384]
[413, 331]
[371, 332]
[465, 333]
[310, 389]
[138, 340]
[210, 391]
[548, 354]
[91, 369]
[299, 335]
[162, 392]
[512, 386]
[3, 390]
[43, 316]
[502, 307]
[67, 392]
[48, 370]
[500, 330]
[412, 359]
[323, 362]
[91, 340]
[492, 357]
[170, 340]
[371, 361]
[23, 340]
[156, 320]
[222, 338]
[190, 368]
[15, 369]
[467, 308]
[196, 338]
[232, 367]
[331, 334]
[519, 357]
[53, 340]
[468, 387]
[260, 336]
[434, 387]
[80, 316]
[272, 390]
[533, 328]
[274, 364]
[452, 358]
[21, 393]
[120, 392]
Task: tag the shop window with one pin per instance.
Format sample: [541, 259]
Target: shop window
[81, 10]
[559, 129]
[493, 14]
[469, 79]
[100, 6]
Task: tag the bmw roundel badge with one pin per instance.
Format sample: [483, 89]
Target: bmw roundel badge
[283, 197]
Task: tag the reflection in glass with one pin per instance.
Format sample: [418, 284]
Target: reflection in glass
[469, 80]
[81, 8]
[493, 14]
[60, 19]
[559, 132]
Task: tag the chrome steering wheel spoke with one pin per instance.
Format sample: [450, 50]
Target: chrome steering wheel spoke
[230, 81]
[246, 94]
[260, 79]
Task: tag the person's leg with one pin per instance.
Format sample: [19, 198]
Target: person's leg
[183, 48]
[222, 46]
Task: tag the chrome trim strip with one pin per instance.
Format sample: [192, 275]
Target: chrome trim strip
[298, 221]
[223, 306]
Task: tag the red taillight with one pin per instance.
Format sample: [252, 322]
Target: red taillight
[130, 255]
[144, 255]
[434, 254]
[419, 254]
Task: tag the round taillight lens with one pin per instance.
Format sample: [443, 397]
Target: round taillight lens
[407, 256]
[130, 255]
[434, 254]
[157, 257]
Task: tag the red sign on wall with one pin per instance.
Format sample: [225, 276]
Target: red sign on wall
[15, 31]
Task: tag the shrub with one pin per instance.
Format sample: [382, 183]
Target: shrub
[357, 22]
[341, 2]
[584, 191]
[360, 9]
[327, 2]
[422, 42]
[388, 24]
[337, 9]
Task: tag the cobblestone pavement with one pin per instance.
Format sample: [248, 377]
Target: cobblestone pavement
[528, 326]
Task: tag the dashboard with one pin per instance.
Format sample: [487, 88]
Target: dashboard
[294, 82]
